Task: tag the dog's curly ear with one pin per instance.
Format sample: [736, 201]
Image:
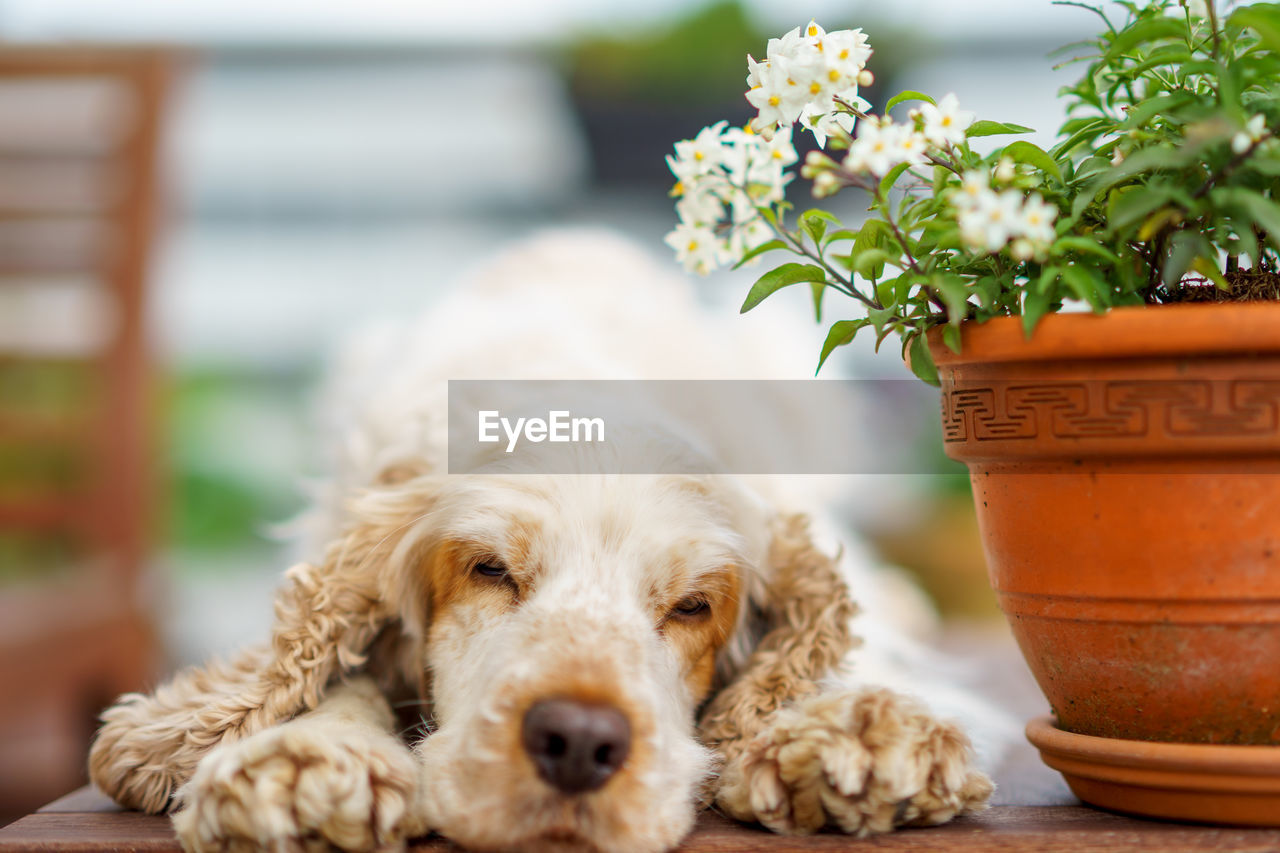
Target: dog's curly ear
[326, 616]
[804, 610]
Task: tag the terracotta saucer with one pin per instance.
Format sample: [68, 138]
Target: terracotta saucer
[1174, 781]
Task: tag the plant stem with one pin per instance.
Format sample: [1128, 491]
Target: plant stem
[906, 250]
[845, 285]
[938, 161]
[1227, 168]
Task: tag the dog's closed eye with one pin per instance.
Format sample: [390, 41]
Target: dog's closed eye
[493, 572]
[691, 607]
[490, 569]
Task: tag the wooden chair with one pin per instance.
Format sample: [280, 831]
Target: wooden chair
[79, 130]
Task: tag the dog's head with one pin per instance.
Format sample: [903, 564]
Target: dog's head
[567, 631]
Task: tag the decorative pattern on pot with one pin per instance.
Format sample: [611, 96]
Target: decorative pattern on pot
[1185, 409]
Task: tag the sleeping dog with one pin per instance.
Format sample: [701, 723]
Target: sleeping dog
[593, 656]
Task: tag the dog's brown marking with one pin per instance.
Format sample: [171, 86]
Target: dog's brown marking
[699, 638]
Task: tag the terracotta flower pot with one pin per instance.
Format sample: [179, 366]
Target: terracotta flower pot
[1126, 471]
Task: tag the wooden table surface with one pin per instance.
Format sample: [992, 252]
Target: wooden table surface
[87, 821]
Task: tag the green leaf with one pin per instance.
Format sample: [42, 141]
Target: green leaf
[1262, 18]
[921, 359]
[1085, 285]
[760, 250]
[842, 234]
[1035, 306]
[818, 288]
[870, 264]
[814, 222]
[1209, 269]
[1163, 104]
[1169, 54]
[1161, 157]
[954, 291]
[1126, 207]
[1142, 33]
[1039, 299]
[951, 337]
[841, 333]
[1084, 244]
[1262, 211]
[879, 318]
[994, 128]
[1022, 151]
[907, 95]
[1156, 222]
[1087, 131]
[891, 178]
[1183, 250]
[774, 280]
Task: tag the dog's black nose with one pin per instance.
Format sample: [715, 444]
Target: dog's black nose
[576, 747]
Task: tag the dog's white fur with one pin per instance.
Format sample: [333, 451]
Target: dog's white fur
[596, 563]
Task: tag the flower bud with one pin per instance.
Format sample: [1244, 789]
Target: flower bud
[1005, 171]
[825, 184]
[865, 78]
[816, 164]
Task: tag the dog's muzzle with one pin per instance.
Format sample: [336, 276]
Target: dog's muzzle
[576, 747]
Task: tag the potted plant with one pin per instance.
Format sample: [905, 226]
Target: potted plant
[1125, 461]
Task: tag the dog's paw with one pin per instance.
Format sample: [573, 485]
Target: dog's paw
[863, 761]
[302, 787]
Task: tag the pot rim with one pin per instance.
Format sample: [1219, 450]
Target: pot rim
[1135, 331]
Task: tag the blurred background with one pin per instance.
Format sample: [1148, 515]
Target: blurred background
[198, 198]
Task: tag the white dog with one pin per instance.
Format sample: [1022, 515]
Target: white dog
[595, 655]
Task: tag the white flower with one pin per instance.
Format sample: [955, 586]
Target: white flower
[697, 247]
[1035, 222]
[753, 71]
[1254, 130]
[1022, 249]
[790, 45]
[700, 155]
[846, 52]
[757, 163]
[803, 73]
[973, 229]
[777, 97]
[908, 146]
[741, 147]
[779, 150]
[995, 218]
[946, 123]
[699, 207]
[973, 186]
[988, 220]
[745, 236]
[875, 150]
[823, 124]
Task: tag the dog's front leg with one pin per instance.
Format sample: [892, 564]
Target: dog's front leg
[863, 760]
[336, 776]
